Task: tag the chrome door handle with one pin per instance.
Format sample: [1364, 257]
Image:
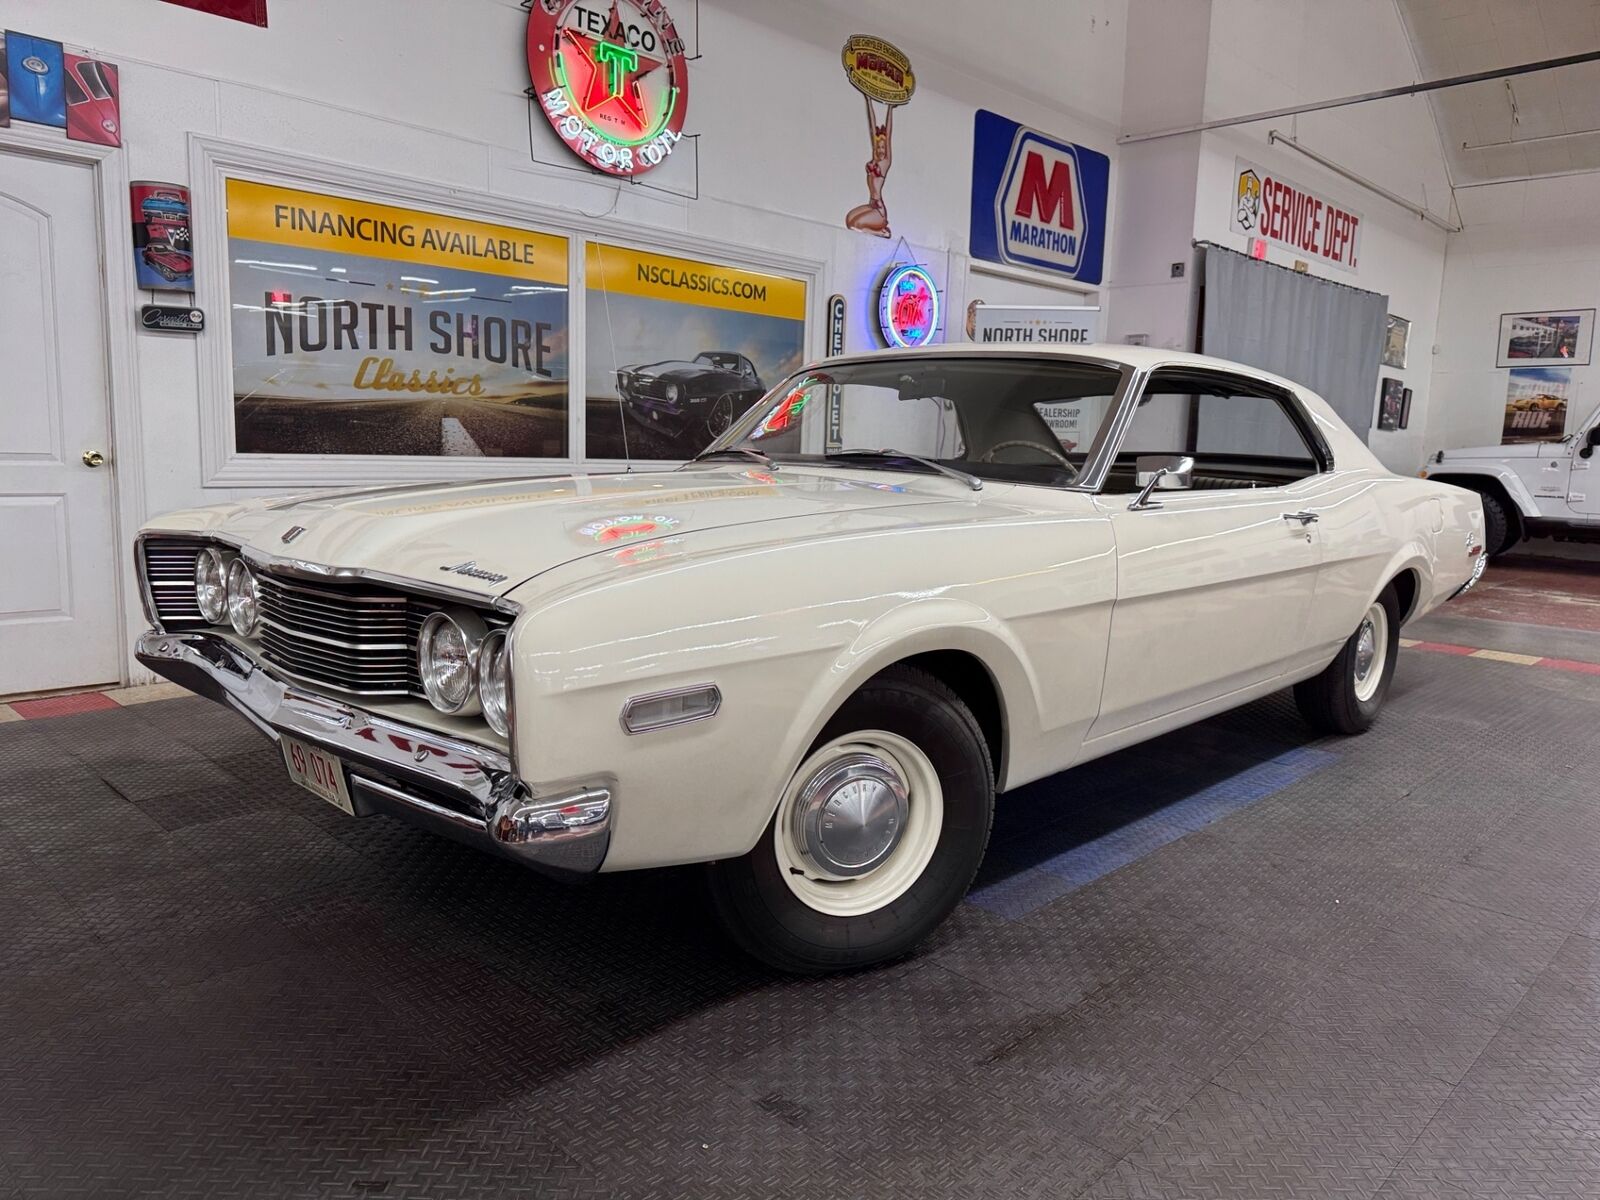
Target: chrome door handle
[1305, 518]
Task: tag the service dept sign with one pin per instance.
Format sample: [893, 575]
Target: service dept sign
[611, 81]
[1266, 205]
[1037, 201]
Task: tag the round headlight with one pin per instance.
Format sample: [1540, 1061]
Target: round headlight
[493, 666]
[673, 392]
[211, 585]
[244, 605]
[447, 660]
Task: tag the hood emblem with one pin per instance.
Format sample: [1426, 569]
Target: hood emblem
[292, 532]
[471, 570]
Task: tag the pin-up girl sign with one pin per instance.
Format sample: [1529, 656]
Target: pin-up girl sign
[881, 73]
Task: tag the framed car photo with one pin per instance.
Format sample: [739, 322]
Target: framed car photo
[1396, 341]
[1557, 338]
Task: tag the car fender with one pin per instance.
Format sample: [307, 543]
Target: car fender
[1448, 471]
[922, 627]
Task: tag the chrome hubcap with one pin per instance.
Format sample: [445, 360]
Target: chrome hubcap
[1366, 650]
[850, 816]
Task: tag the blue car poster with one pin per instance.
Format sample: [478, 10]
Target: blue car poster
[1037, 201]
[35, 79]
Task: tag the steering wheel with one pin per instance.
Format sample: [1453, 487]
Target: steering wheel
[988, 455]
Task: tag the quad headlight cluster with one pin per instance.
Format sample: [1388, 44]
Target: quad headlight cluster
[464, 665]
[226, 592]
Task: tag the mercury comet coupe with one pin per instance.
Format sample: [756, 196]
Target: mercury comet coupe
[812, 657]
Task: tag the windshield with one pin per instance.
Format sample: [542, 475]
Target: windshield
[1023, 420]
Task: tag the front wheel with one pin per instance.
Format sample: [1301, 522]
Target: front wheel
[1346, 697]
[876, 837]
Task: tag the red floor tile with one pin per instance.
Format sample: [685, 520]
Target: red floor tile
[62, 706]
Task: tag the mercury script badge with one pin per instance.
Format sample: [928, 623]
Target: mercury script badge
[471, 570]
[292, 532]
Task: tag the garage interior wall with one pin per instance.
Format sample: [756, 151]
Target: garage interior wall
[437, 96]
[1527, 246]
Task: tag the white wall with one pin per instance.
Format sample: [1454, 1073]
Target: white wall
[1527, 247]
[1268, 54]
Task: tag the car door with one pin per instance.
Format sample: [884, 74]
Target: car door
[1215, 582]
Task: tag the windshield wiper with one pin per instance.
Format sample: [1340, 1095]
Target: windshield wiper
[741, 451]
[933, 464]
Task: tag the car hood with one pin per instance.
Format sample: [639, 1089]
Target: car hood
[490, 537]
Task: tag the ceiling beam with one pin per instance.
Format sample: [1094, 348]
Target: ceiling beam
[1410, 89]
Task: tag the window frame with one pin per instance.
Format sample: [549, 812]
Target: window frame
[1286, 398]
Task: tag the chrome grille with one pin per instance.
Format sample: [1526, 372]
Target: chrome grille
[169, 572]
[350, 636]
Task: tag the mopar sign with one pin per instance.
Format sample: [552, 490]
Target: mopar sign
[1037, 201]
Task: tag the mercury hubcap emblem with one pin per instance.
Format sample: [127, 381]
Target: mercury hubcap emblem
[1366, 650]
[850, 816]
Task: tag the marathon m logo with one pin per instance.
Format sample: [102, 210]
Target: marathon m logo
[1037, 201]
[1041, 203]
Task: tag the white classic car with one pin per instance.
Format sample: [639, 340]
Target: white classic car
[1530, 489]
[813, 657]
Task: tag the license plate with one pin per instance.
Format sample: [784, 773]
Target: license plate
[319, 772]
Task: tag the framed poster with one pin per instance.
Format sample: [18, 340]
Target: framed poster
[1390, 403]
[1536, 404]
[1396, 340]
[677, 349]
[252, 12]
[35, 77]
[5, 90]
[1561, 337]
[94, 101]
[362, 328]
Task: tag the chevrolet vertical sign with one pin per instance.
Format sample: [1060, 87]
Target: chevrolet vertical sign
[1037, 201]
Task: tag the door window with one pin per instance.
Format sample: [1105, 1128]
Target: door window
[1240, 433]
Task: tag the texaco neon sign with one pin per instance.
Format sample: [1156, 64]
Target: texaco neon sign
[612, 82]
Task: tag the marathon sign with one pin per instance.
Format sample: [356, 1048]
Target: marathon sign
[1266, 205]
[1037, 201]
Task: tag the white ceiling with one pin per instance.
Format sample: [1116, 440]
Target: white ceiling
[1502, 129]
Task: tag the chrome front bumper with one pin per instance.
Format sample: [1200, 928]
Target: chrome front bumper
[456, 788]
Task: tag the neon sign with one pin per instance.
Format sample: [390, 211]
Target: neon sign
[908, 307]
[612, 83]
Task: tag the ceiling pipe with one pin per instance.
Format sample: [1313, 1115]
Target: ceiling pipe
[1276, 138]
[1410, 89]
[1543, 137]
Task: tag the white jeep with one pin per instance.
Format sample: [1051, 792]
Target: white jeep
[1531, 489]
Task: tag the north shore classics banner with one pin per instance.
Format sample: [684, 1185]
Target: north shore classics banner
[362, 328]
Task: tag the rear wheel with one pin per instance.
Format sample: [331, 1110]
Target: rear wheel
[876, 837]
[1346, 697]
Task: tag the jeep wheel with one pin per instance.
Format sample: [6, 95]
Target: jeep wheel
[876, 837]
[1496, 526]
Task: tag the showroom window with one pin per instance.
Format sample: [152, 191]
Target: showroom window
[370, 329]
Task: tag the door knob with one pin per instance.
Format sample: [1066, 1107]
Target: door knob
[93, 458]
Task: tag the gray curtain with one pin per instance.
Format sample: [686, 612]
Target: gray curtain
[1323, 335]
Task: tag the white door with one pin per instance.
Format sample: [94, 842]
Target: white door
[1214, 584]
[58, 601]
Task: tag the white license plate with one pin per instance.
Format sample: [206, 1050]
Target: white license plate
[318, 772]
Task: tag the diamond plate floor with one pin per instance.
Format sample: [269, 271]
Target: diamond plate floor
[1237, 962]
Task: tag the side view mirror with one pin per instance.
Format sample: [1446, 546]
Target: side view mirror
[1169, 472]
